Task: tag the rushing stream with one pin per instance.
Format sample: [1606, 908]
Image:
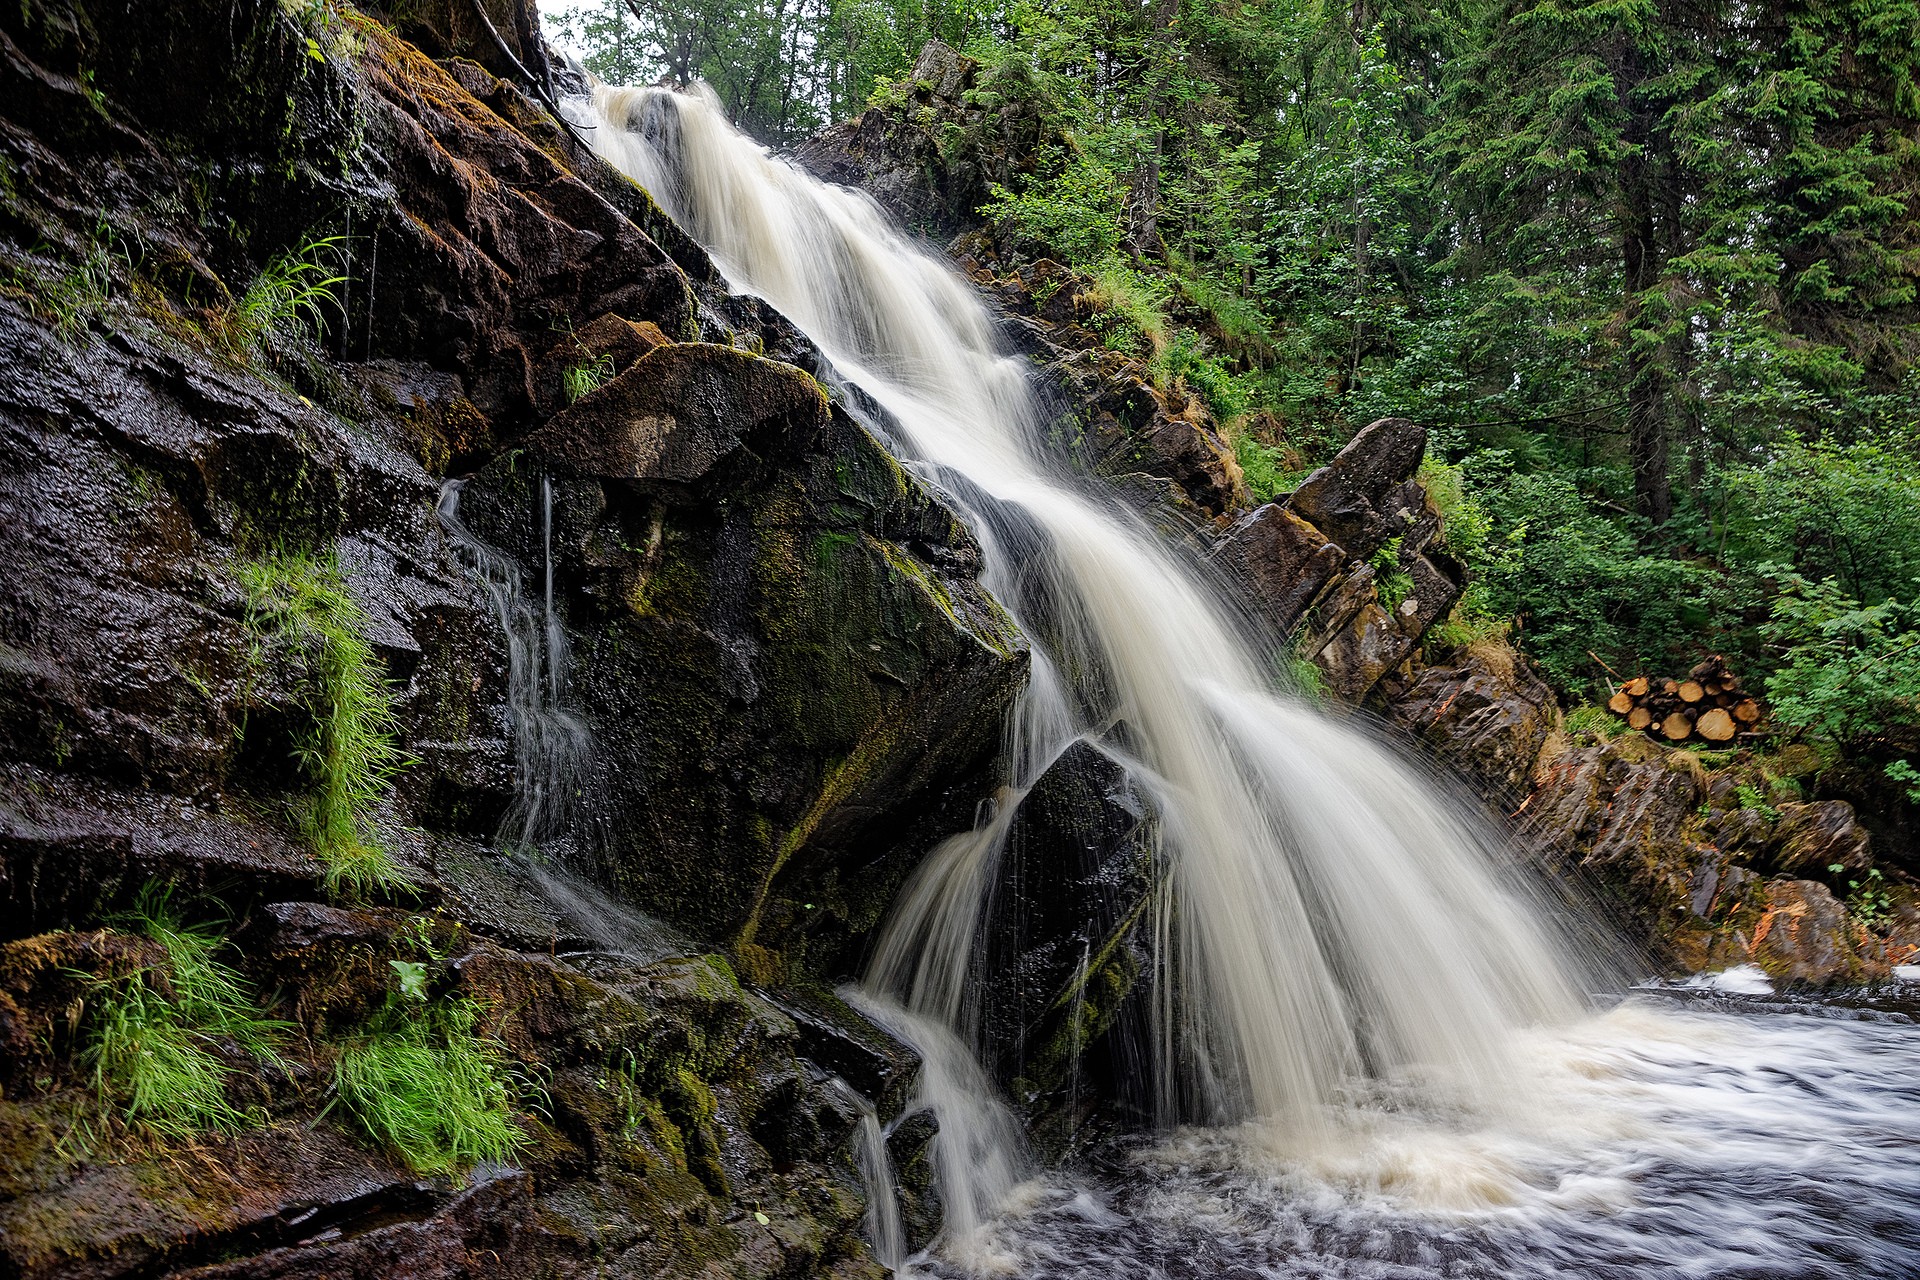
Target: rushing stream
[1370, 1027]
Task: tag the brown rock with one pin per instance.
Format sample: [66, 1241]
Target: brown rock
[1349, 498]
[1284, 561]
[676, 412]
[1813, 837]
[1805, 937]
[1488, 720]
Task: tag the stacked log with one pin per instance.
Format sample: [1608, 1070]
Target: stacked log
[1708, 703]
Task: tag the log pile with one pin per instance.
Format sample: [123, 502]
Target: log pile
[1709, 703]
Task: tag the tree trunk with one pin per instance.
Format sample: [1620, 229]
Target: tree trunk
[1641, 263]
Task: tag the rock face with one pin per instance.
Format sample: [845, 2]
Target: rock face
[931, 159]
[1347, 566]
[791, 674]
[1679, 856]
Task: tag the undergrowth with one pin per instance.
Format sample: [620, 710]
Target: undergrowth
[151, 1047]
[425, 1084]
[348, 745]
[294, 291]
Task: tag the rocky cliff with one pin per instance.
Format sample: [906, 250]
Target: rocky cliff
[457, 661]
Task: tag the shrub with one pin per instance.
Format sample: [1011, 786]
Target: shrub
[424, 1084]
[347, 747]
[1848, 672]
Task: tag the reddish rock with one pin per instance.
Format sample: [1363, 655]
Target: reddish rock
[1484, 717]
[1804, 937]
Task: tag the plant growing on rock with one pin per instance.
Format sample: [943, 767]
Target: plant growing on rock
[583, 379]
[348, 744]
[427, 1085]
[153, 1036]
[294, 291]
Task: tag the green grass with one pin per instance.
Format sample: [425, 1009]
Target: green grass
[1130, 313]
[1587, 718]
[583, 379]
[152, 1035]
[293, 292]
[425, 1085]
[348, 745]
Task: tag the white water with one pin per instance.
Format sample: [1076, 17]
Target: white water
[1331, 919]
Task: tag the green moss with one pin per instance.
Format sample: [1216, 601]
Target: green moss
[348, 746]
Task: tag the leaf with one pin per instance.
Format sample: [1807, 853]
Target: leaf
[313, 50]
[413, 978]
[761, 1218]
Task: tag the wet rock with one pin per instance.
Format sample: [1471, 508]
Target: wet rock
[1804, 937]
[787, 662]
[1359, 499]
[1814, 837]
[1284, 561]
[1487, 716]
[71, 849]
[676, 412]
[1062, 1000]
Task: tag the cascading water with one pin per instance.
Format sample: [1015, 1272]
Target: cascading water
[552, 747]
[1347, 977]
[1329, 912]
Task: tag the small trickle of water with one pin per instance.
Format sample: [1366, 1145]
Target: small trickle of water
[886, 1235]
[553, 748]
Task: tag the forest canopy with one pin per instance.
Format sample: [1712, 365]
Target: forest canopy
[1646, 269]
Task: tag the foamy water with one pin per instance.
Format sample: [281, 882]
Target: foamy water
[1746, 1141]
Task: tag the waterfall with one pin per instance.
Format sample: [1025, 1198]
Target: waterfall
[1326, 918]
[885, 1232]
[552, 747]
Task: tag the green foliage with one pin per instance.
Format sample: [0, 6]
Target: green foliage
[425, 1084]
[153, 1037]
[1869, 901]
[1751, 797]
[1848, 672]
[1264, 469]
[1847, 512]
[348, 745]
[586, 377]
[1074, 213]
[1391, 583]
[1598, 721]
[293, 293]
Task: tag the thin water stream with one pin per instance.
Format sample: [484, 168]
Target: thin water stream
[1372, 1031]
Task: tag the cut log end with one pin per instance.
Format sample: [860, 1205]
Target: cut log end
[1620, 703]
[1747, 711]
[1637, 687]
[1715, 725]
[1690, 691]
[1676, 727]
[1639, 718]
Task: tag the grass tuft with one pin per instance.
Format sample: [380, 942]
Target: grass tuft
[292, 293]
[348, 748]
[425, 1085]
[153, 1034]
[581, 380]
